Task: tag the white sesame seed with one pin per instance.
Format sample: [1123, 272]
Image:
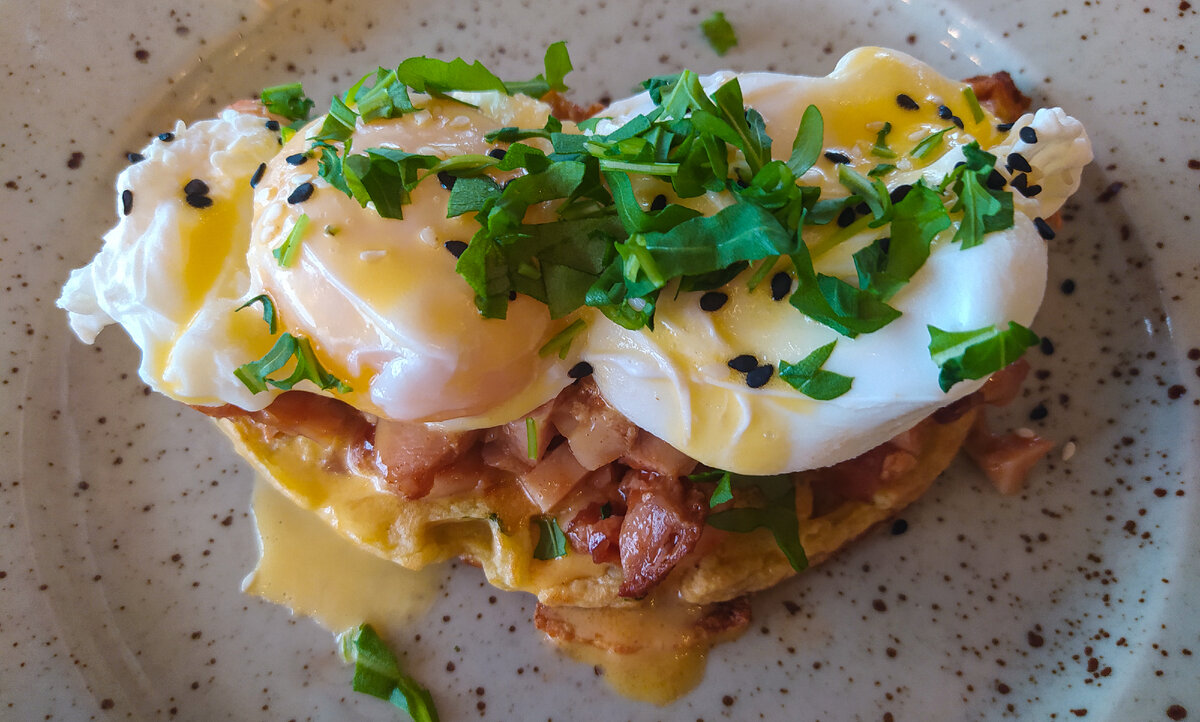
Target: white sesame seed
[374, 255]
[1068, 450]
[1025, 433]
[428, 236]
[459, 121]
[427, 150]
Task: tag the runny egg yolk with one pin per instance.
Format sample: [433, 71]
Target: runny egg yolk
[380, 299]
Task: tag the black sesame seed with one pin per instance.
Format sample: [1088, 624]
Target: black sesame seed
[272, 124]
[302, 193]
[134, 158]
[512, 295]
[957, 121]
[498, 153]
[1020, 182]
[1039, 412]
[659, 202]
[995, 180]
[1067, 287]
[741, 183]
[836, 157]
[1043, 228]
[297, 159]
[196, 200]
[580, 370]
[744, 363]
[1047, 346]
[456, 248]
[906, 102]
[899, 527]
[1017, 162]
[196, 187]
[712, 300]
[862, 209]
[1030, 191]
[1028, 134]
[166, 137]
[846, 217]
[258, 174]
[898, 193]
[446, 179]
[944, 112]
[126, 202]
[760, 376]
[1004, 127]
[781, 283]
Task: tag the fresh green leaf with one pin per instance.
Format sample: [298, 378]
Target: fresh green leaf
[887, 264]
[560, 343]
[719, 33]
[308, 368]
[722, 493]
[807, 376]
[835, 303]
[255, 375]
[881, 149]
[471, 194]
[386, 177]
[871, 191]
[929, 144]
[880, 170]
[977, 353]
[438, 77]
[268, 307]
[557, 64]
[377, 673]
[387, 98]
[552, 543]
[810, 138]
[777, 513]
[286, 253]
[287, 100]
[339, 123]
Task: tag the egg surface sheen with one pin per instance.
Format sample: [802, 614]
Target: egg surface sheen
[379, 297]
[674, 380]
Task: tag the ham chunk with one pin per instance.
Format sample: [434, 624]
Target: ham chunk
[300, 413]
[553, 478]
[650, 453]
[507, 446]
[411, 453]
[663, 522]
[598, 433]
[1006, 459]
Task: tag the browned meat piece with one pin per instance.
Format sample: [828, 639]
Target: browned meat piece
[1006, 459]
[999, 93]
[411, 453]
[598, 433]
[564, 109]
[553, 478]
[650, 453]
[300, 413]
[663, 522]
[591, 534]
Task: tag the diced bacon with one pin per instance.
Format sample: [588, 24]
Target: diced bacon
[254, 106]
[553, 478]
[299, 413]
[598, 433]
[507, 446]
[412, 452]
[664, 520]
[467, 473]
[1006, 459]
[860, 478]
[566, 110]
[999, 94]
[650, 453]
[1004, 385]
[591, 534]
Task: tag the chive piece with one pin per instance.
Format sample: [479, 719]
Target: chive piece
[929, 144]
[552, 543]
[881, 148]
[286, 253]
[973, 104]
[560, 342]
[881, 169]
[531, 438]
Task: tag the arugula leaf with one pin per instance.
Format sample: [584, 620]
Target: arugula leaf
[871, 191]
[377, 673]
[929, 144]
[736, 124]
[286, 253]
[438, 77]
[723, 491]
[810, 138]
[287, 100]
[807, 376]
[777, 514]
[984, 210]
[557, 64]
[268, 306]
[977, 353]
[387, 98]
[719, 33]
[471, 194]
[552, 543]
[339, 123]
[255, 374]
[630, 211]
[887, 264]
[385, 177]
[881, 148]
[835, 303]
[881, 169]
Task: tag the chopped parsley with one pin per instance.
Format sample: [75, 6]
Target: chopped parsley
[719, 33]
[377, 673]
[807, 376]
[551, 543]
[775, 511]
[286, 253]
[256, 374]
[287, 100]
[268, 307]
[962, 355]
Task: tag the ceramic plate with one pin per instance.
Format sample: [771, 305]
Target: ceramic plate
[124, 522]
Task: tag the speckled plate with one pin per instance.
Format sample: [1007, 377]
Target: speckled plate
[124, 525]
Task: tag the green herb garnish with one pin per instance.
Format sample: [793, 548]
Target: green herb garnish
[973, 104]
[974, 354]
[286, 253]
[255, 375]
[268, 307]
[984, 209]
[929, 144]
[777, 512]
[552, 543]
[287, 100]
[807, 376]
[881, 148]
[531, 438]
[377, 673]
[719, 33]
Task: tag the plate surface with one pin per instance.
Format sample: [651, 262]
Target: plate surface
[124, 524]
